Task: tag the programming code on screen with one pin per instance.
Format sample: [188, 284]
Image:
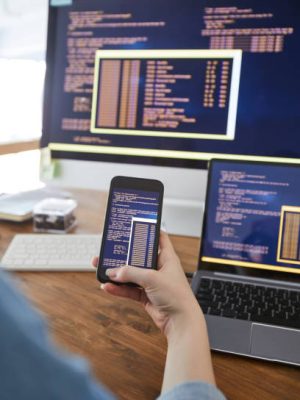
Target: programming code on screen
[131, 229]
[188, 94]
[267, 33]
[248, 28]
[253, 216]
[141, 243]
[289, 236]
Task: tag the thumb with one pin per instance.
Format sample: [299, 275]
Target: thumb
[141, 276]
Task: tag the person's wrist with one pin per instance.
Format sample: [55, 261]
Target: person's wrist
[189, 319]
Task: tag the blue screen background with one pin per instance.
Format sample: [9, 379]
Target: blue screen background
[125, 205]
[268, 117]
[274, 185]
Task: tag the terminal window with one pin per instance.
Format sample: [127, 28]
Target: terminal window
[141, 243]
[188, 94]
[289, 235]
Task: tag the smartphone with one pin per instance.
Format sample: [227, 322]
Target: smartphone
[132, 225]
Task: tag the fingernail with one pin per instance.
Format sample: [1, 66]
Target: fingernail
[102, 286]
[111, 272]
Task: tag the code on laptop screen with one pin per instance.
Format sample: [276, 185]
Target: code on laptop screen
[253, 216]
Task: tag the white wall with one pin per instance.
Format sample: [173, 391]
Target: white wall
[23, 30]
[23, 27]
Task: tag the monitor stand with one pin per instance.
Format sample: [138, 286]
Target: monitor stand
[183, 217]
[184, 188]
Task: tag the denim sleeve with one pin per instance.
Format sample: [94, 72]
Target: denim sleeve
[31, 367]
[195, 390]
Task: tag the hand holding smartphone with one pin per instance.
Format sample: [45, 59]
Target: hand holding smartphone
[132, 225]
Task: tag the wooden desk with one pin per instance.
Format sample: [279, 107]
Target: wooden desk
[126, 350]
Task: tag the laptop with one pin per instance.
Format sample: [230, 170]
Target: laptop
[248, 278]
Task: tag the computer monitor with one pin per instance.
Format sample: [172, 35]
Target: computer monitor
[156, 89]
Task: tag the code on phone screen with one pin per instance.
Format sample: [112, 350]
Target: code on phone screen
[131, 229]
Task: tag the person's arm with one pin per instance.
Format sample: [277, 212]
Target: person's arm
[31, 366]
[188, 356]
[167, 297]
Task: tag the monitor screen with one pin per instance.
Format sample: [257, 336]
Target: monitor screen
[172, 83]
[252, 216]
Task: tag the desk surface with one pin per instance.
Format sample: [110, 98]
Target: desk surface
[126, 350]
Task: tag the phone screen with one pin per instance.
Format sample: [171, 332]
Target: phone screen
[131, 228]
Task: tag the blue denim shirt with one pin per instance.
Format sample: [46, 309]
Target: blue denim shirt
[32, 368]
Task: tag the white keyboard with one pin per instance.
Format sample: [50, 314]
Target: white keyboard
[33, 252]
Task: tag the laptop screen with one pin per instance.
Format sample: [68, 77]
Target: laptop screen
[252, 216]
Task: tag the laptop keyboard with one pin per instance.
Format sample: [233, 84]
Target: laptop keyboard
[250, 302]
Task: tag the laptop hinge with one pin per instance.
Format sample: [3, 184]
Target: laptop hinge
[255, 279]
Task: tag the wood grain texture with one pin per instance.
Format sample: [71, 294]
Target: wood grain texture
[125, 349]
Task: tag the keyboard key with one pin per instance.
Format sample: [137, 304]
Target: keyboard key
[215, 311]
[229, 313]
[205, 283]
[218, 284]
[242, 315]
[204, 308]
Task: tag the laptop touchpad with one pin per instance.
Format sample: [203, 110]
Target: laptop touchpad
[275, 343]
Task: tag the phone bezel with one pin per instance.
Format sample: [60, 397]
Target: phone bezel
[125, 182]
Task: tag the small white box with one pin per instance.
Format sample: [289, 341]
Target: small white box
[54, 215]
